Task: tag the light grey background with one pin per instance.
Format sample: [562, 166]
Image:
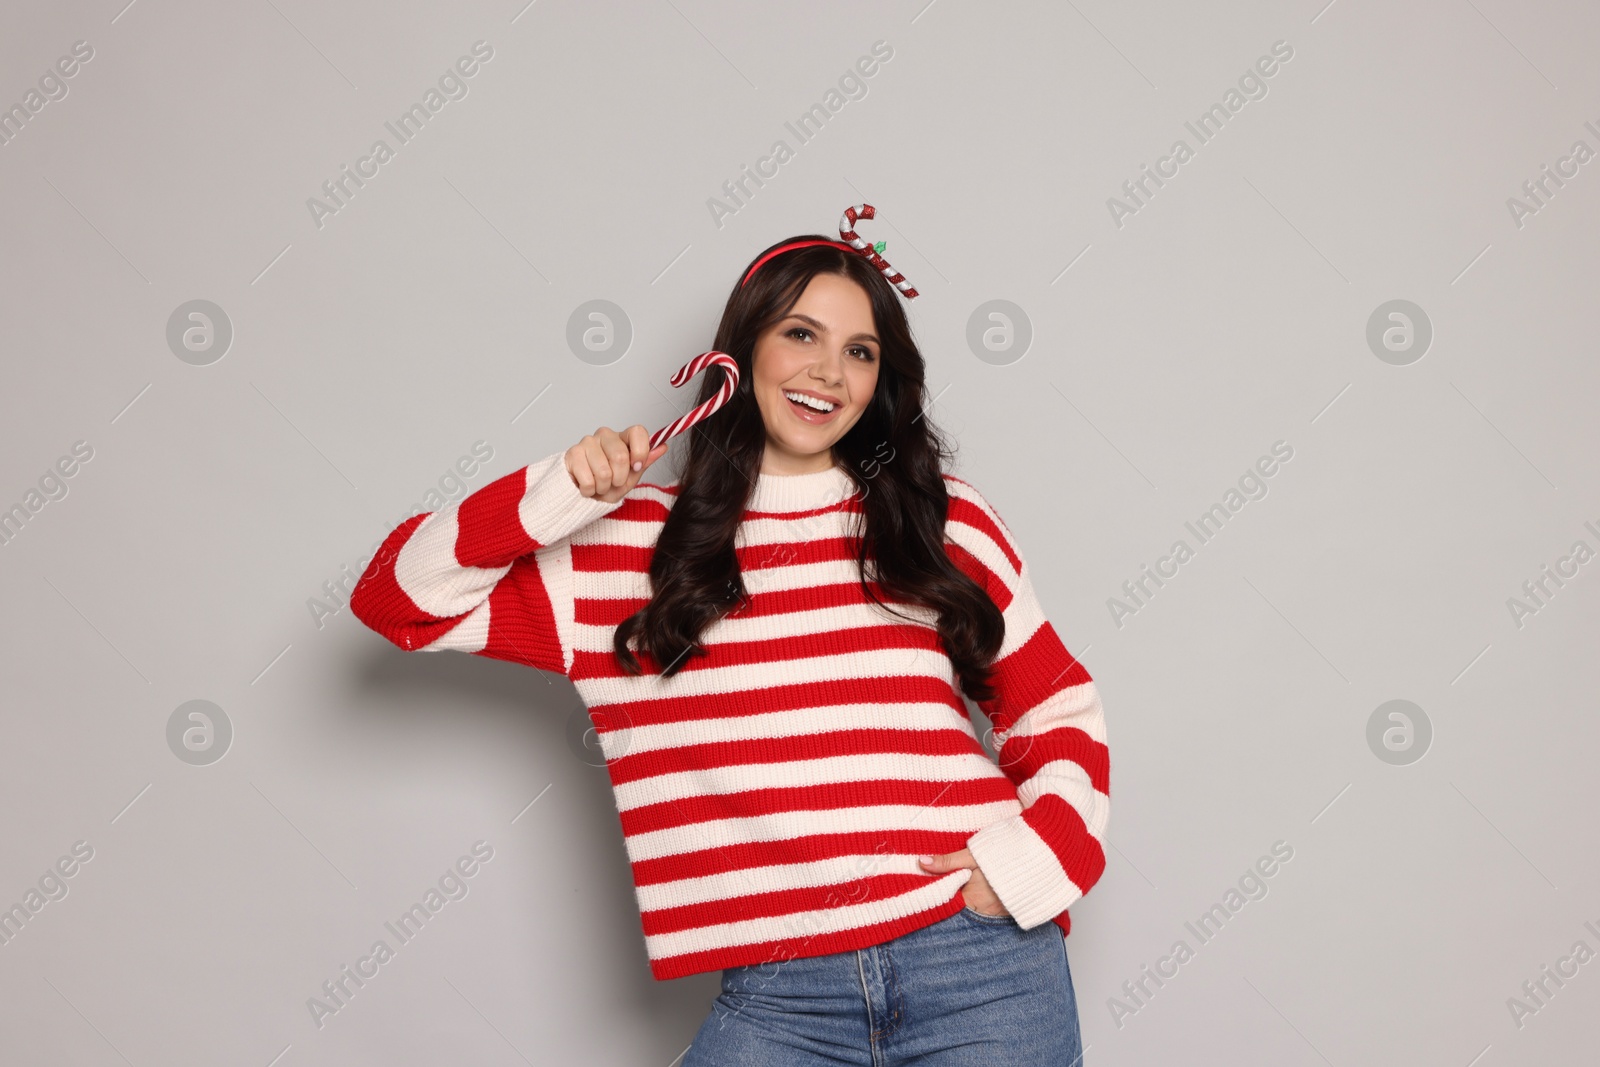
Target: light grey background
[430, 313]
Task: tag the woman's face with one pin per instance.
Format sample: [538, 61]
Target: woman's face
[826, 349]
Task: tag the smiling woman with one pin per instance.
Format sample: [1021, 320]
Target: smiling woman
[815, 367]
[774, 649]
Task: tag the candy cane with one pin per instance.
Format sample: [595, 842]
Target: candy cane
[730, 381]
[847, 234]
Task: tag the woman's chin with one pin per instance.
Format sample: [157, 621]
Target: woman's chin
[802, 444]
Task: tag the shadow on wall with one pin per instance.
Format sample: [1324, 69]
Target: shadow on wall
[399, 699]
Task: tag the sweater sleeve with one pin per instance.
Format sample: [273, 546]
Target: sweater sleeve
[489, 574]
[1050, 733]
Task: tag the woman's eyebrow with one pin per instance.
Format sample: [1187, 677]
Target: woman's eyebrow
[823, 329]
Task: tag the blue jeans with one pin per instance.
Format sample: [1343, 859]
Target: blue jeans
[971, 990]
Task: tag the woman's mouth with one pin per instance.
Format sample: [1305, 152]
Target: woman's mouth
[808, 408]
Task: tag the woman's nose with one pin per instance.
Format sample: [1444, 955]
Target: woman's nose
[830, 366]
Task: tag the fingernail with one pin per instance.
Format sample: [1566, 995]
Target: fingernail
[637, 465]
[924, 859]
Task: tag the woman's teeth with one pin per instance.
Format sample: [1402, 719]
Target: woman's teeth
[810, 402]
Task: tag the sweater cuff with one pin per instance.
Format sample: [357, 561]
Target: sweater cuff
[1023, 871]
[552, 506]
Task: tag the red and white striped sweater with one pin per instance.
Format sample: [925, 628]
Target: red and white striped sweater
[775, 793]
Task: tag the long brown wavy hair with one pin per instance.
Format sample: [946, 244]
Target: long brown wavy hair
[893, 454]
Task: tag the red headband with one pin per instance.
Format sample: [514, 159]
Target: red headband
[730, 368]
[851, 243]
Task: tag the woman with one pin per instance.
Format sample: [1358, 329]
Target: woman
[770, 648]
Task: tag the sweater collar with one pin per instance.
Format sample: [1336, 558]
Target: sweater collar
[782, 493]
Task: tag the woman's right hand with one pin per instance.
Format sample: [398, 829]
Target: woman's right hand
[606, 464]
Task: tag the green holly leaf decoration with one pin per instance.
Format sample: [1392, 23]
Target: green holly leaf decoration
[880, 246]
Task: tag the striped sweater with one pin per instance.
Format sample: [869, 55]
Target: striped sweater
[776, 792]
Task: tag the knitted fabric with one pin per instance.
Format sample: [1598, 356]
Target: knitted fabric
[776, 792]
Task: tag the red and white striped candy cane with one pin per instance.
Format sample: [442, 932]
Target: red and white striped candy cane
[730, 381]
[847, 234]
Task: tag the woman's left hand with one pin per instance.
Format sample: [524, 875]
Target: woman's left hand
[977, 892]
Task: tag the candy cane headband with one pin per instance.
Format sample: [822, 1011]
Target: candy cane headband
[850, 241]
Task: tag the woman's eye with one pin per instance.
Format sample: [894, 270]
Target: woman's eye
[800, 333]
